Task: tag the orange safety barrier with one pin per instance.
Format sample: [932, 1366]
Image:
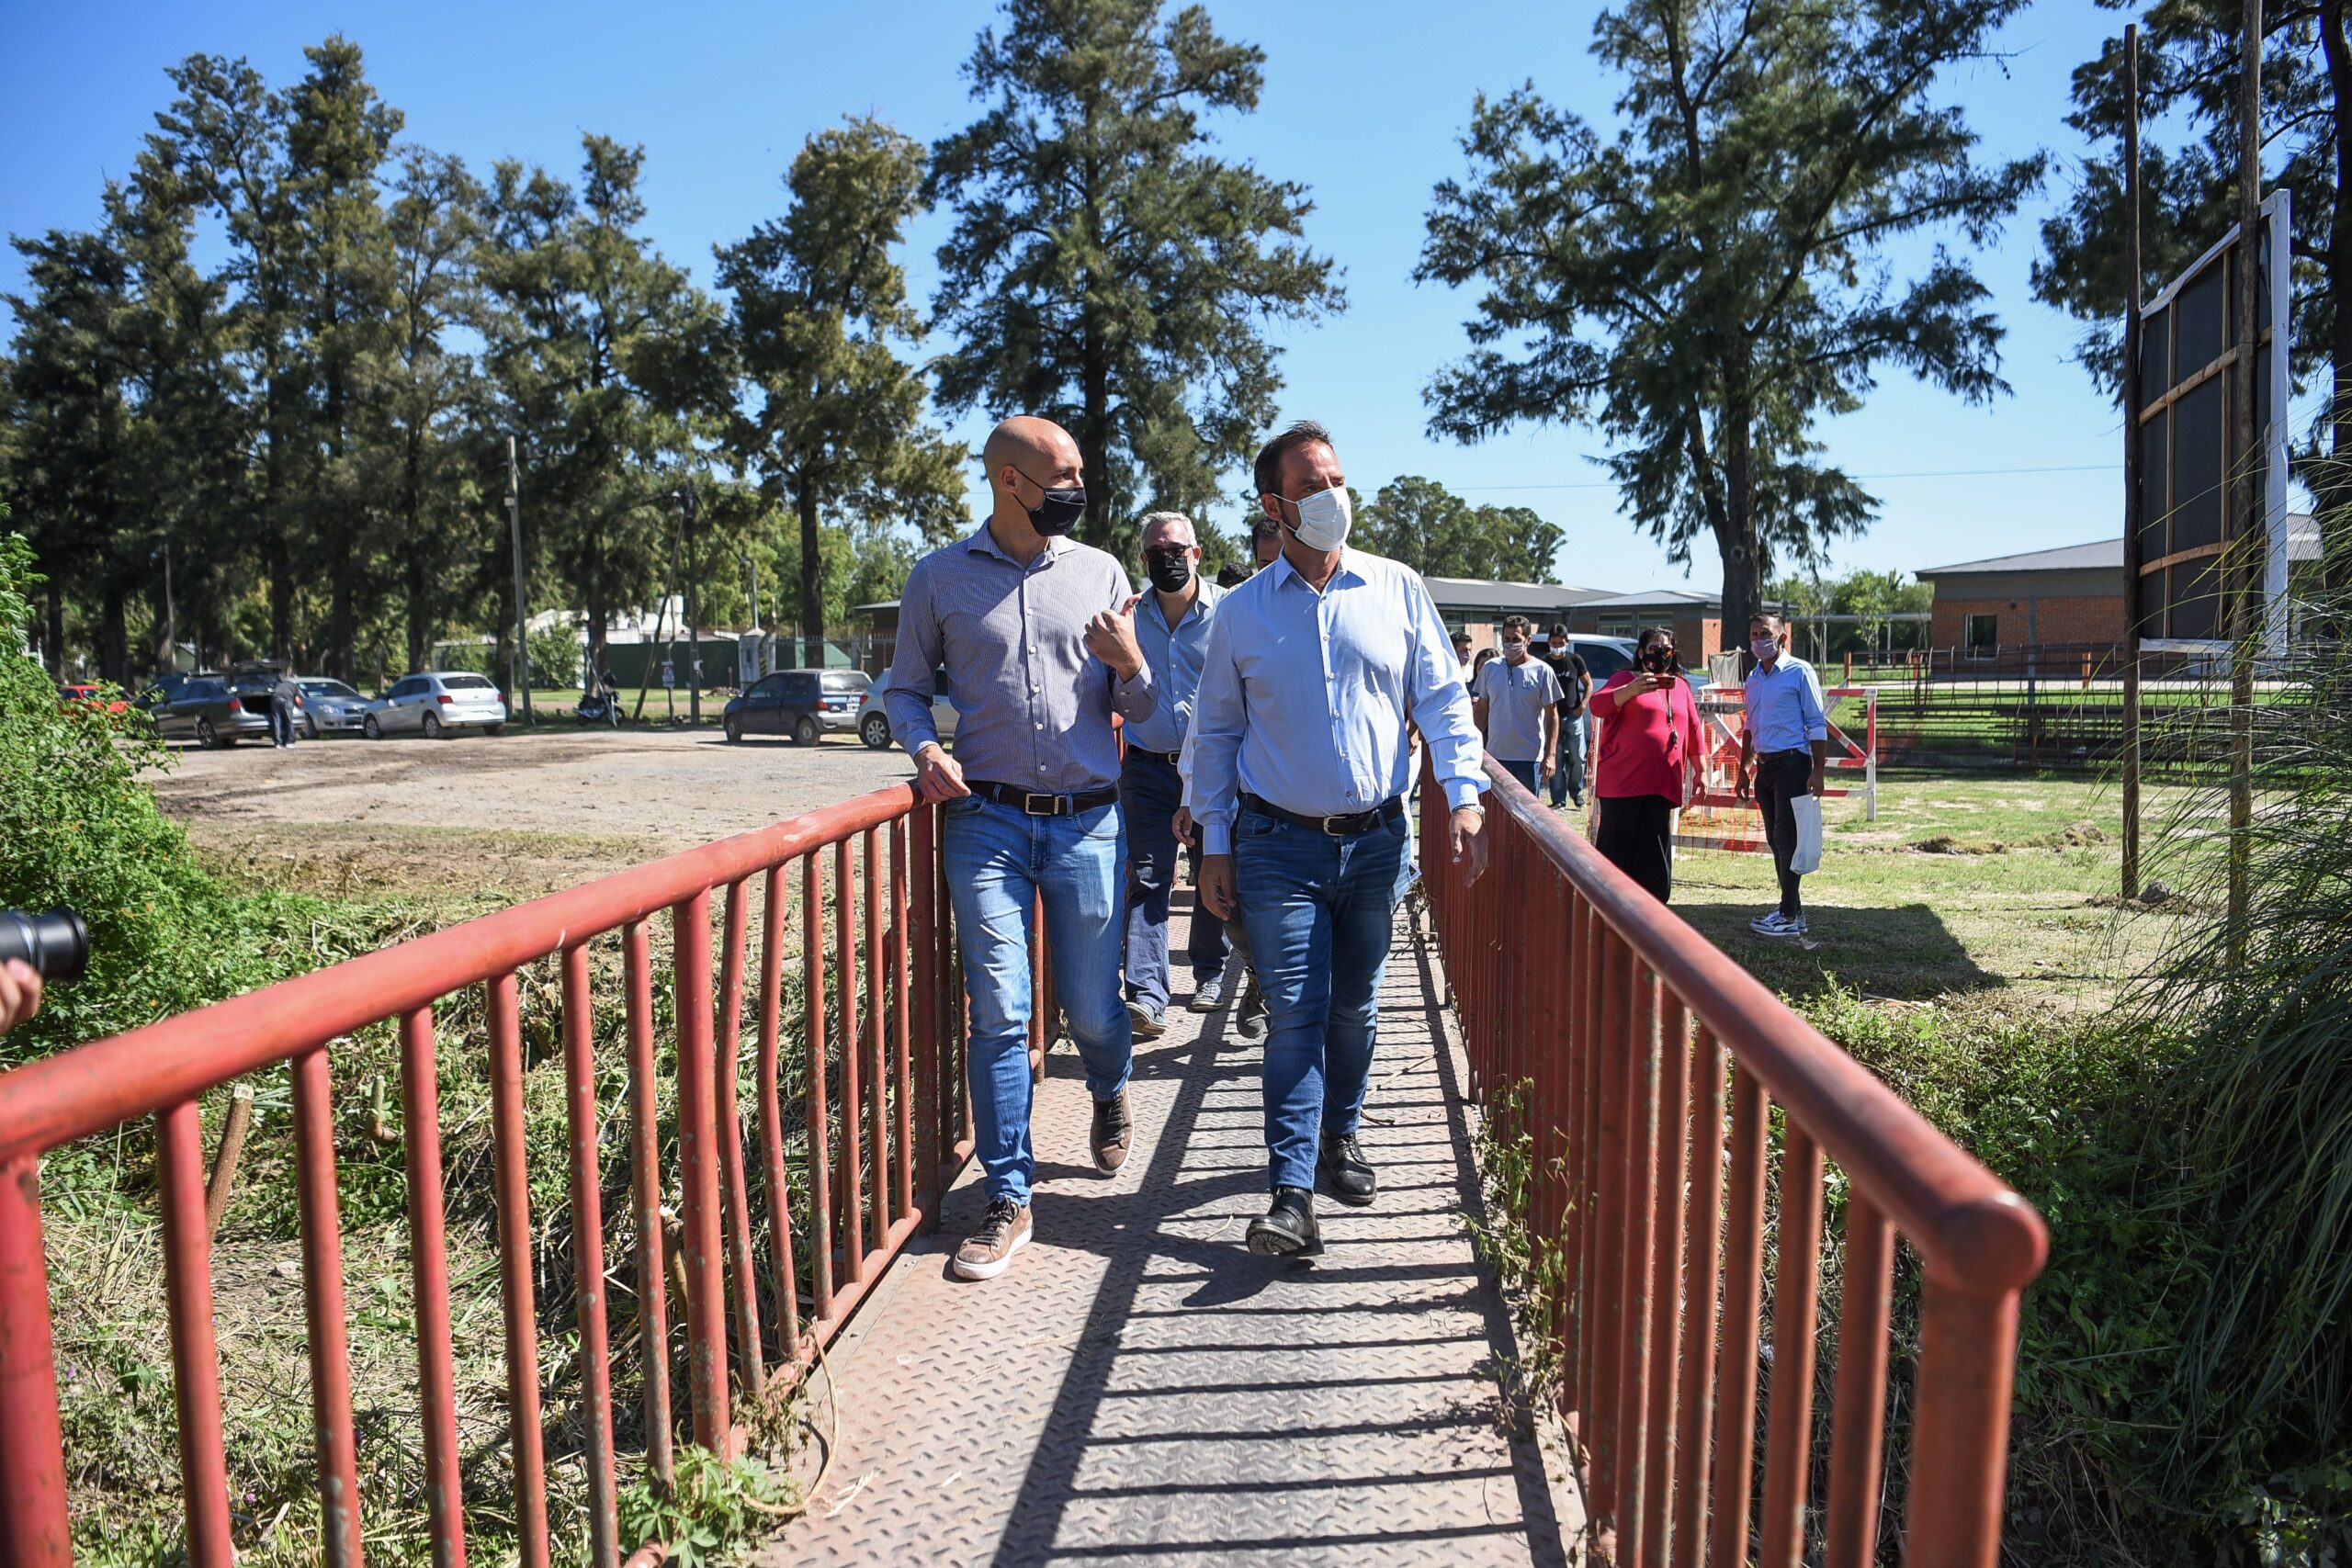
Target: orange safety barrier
[904, 1123]
[1658, 1214]
[1721, 817]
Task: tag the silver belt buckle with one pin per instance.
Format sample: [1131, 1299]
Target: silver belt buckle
[1331, 832]
[1029, 804]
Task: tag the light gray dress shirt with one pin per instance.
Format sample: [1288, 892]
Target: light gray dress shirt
[1033, 706]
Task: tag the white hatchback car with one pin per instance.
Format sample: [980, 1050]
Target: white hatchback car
[436, 705]
[874, 716]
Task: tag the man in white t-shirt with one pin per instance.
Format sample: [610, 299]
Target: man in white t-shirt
[1517, 702]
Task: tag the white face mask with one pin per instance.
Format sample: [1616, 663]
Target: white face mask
[1323, 519]
[1766, 648]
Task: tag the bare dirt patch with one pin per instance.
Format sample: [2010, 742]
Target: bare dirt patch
[518, 814]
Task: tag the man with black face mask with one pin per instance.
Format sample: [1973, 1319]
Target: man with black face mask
[1036, 634]
[1172, 627]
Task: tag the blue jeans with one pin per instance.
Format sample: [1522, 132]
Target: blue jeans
[1319, 911]
[1000, 861]
[1149, 792]
[1567, 779]
[1523, 771]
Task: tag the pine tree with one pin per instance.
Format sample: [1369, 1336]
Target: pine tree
[1107, 270]
[337, 135]
[589, 332]
[834, 418]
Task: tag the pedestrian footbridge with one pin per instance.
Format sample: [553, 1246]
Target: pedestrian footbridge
[767, 1152]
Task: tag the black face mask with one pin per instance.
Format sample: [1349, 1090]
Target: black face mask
[1059, 510]
[1170, 569]
[1659, 661]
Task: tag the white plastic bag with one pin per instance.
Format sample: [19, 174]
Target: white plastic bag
[1806, 857]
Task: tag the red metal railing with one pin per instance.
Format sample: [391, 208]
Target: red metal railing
[1659, 1216]
[902, 1120]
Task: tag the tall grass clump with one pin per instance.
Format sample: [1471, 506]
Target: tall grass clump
[2263, 1381]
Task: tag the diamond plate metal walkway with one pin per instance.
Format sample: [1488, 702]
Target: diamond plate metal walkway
[1139, 1388]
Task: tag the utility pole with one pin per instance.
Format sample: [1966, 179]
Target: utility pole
[2132, 460]
[171, 617]
[522, 612]
[2242, 526]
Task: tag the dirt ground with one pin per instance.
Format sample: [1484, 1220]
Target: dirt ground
[517, 813]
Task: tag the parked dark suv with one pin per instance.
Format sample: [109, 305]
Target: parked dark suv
[803, 704]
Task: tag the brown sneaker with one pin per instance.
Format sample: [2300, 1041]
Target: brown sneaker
[1002, 1232]
[1114, 1130]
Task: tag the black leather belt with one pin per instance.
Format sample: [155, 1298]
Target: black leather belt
[1173, 759]
[1344, 826]
[1041, 802]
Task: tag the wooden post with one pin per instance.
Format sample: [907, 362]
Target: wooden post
[2242, 525]
[2132, 449]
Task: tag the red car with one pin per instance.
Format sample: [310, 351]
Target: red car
[84, 696]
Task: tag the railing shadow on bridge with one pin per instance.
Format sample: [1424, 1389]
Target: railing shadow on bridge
[854, 1138]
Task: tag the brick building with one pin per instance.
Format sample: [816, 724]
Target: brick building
[2047, 597]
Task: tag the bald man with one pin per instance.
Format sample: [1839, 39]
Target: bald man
[1035, 635]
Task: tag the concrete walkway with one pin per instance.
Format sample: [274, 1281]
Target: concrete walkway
[1139, 1388]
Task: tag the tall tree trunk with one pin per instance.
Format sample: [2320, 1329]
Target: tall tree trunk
[420, 607]
[1743, 574]
[1094, 447]
[343, 627]
[114, 635]
[55, 637]
[812, 578]
[279, 554]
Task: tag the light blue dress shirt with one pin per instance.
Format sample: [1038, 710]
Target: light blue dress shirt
[1784, 711]
[1304, 697]
[1174, 654]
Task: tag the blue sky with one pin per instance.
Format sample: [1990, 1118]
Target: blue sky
[1363, 102]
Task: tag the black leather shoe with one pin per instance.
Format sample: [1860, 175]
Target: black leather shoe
[1287, 1229]
[1344, 1171]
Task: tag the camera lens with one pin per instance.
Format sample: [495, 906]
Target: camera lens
[55, 942]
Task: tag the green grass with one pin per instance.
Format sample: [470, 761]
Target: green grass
[1967, 884]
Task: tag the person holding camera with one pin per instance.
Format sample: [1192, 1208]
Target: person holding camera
[1648, 753]
[19, 993]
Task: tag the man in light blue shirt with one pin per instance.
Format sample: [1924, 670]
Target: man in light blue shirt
[1296, 771]
[1786, 742]
[1172, 627]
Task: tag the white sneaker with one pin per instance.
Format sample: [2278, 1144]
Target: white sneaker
[1774, 923]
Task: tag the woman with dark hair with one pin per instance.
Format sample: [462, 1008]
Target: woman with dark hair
[1648, 753]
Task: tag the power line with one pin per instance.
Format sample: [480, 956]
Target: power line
[1905, 474]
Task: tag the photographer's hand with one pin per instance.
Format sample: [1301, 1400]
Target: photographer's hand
[19, 993]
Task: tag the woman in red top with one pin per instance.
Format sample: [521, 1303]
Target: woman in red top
[1649, 749]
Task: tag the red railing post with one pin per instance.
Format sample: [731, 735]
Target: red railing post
[1796, 1294]
[580, 1121]
[877, 1079]
[1857, 1431]
[33, 1529]
[329, 1349]
[196, 1363]
[770, 1106]
[727, 1119]
[812, 973]
[1666, 1281]
[902, 1067]
[698, 1154]
[851, 1187]
[926, 1086]
[1641, 1226]
[429, 1268]
[645, 1178]
[1697, 1407]
[517, 1293]
[1743, 1309]
[1968, 1345]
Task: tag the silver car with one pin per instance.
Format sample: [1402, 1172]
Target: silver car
[436, 705]
[330, 707]
[873, 719]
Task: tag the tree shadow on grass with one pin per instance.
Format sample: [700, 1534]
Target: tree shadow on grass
[1905, 951]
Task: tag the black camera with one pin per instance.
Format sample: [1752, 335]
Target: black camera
[55, 942]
